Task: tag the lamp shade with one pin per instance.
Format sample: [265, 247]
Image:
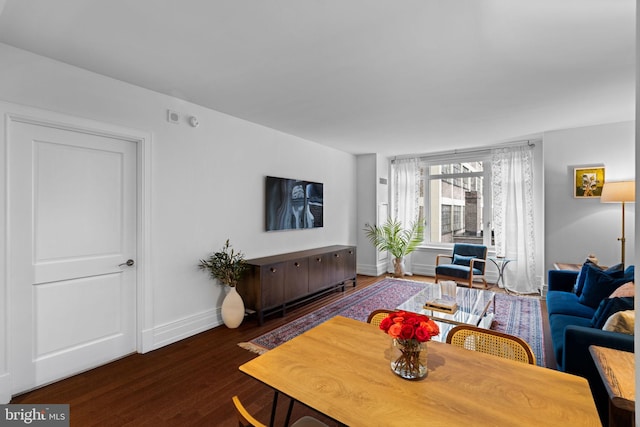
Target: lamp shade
[617, 192]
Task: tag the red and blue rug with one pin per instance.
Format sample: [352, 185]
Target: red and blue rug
[514, 315]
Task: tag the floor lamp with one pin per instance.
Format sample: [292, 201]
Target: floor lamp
[619, 192]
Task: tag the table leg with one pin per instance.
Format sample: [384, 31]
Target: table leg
[504, 265]
[274, 405]
[286, 421]
[500, 267]
[497, 268]
[501, 274]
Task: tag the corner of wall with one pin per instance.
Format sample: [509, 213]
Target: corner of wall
[371, 269]
[5, 388]
[169, 333]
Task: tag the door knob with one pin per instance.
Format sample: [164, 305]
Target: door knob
[129, 263]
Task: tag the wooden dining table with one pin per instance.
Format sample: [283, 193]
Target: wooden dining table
[341, 368]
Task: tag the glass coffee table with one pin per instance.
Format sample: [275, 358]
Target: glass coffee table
[473, 308]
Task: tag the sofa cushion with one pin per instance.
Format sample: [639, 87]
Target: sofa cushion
[577, 289]
[558, 323]
[614, 270]
[598, 285]
[626, 290]
[560, 302]
[562, 280]
[608, 307]
[622, 321]
[455, 270]
[629, 273]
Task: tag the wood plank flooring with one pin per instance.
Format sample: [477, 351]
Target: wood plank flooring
[189, 383]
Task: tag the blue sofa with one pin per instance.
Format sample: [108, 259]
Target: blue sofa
[576, 320]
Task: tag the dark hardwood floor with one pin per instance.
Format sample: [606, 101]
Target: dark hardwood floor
[189, 383]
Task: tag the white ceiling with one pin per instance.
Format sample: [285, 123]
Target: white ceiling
[387, 76]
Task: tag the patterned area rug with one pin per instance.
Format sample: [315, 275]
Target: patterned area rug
[520, 316]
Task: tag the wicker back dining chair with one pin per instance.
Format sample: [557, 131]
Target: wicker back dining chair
[491, 342]
[245, 419]
[376, 316]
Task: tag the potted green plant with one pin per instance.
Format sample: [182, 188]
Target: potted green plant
[396, 240]
[228, 266]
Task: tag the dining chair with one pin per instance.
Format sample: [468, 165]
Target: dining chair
[491, 342]
[466, 264]
[245, 419]
[376, 316]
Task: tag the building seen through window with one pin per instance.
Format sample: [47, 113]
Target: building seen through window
[455, 200]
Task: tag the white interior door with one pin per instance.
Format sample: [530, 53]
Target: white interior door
[72, 224]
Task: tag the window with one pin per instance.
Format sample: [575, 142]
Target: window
[456, 200]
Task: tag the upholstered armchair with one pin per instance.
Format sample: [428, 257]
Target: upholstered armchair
[465, 265]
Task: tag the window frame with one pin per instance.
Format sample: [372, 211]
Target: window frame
[487, 208]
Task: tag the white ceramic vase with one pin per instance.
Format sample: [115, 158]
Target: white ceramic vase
[232, 309]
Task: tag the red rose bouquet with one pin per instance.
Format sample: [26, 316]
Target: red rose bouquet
[410, 332]
[406, 326]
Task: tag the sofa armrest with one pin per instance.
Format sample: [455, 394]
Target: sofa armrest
[450, 257]
[561, 280]
[577, 340]
[577, 359]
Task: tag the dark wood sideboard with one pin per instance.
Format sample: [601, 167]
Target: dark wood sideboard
[276, 282]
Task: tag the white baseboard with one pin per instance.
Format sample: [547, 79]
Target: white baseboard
[369, 270]
[5, 388]
[172, 332]
[423, 269]
[372, 269]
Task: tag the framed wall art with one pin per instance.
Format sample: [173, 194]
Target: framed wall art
[293, 204]
[588, 181]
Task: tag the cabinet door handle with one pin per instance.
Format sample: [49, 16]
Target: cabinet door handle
[336, 255]
[318, 259]
[297, 264]
[273, 269]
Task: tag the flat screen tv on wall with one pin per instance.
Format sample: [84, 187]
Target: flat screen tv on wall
[293, 204]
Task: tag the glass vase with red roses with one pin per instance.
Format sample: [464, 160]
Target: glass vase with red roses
[409, 334]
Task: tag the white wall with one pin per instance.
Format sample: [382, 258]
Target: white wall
[575, 227]
[367, 202]
[371, 194]
[207, 184]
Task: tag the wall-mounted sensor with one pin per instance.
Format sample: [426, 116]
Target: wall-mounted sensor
[173, 117]
[193, 121]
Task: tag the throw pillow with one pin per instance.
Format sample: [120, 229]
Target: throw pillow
[615, 270]
[609, 306]
[598, 285]
[622, 321]
[462, 260]
[582, 275]
[618, 268]
[626, 290]
[630, 272]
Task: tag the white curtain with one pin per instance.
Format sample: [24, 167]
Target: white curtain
[512, 179]
[406, 190]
